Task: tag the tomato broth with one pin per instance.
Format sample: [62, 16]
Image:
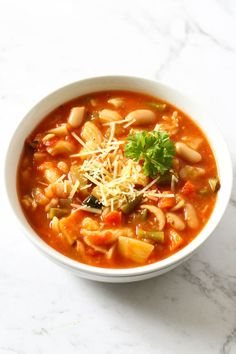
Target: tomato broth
[117, 179]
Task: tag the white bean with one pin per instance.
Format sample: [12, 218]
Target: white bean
[108, 115]
[59, 131]
[190, 172]
[175, 221]
[116, 101]
[61, 147]
[180, 204]
[190, 216]
[187, 153]
[141, 116]
[160, 216]
[62, 165]
[76, 116]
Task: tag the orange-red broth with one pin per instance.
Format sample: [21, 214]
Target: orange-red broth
[38, 218]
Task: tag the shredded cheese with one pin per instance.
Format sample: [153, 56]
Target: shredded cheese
[113, 176]
[158, 195]
[60, 179]
[65, 186]
[85, 187]
[130, 123]
[148, 186]
[91, 152]
[113, 126]
[74, 189]
[90, 210]
[117, 122]
[80, 140]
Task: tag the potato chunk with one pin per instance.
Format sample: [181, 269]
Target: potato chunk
[135, 250]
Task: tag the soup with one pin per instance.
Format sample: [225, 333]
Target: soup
[117, 179]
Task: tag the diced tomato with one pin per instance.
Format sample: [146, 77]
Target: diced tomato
[91, 252]
[166, 202]
[113, 218]
[188, 188]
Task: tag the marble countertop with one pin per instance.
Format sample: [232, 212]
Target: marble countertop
[190, 45]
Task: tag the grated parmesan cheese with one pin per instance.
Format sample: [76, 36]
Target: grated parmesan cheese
[80, 140]
[74, 189]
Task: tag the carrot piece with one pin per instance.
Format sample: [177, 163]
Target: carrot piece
[166, 202]
[113, 218]
[188, 188]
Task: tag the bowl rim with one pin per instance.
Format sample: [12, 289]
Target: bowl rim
[133, 272]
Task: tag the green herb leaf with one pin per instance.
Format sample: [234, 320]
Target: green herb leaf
[154, 148]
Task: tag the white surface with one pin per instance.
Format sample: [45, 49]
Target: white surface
[188, 44]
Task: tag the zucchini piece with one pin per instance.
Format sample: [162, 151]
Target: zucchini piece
[175, 240]
[129, 207]
[214, 184]
[58, 212]
[92, 202]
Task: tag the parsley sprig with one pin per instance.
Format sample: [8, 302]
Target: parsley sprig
[154, 148]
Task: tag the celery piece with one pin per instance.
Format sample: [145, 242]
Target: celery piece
[58, 212]
[159, 106]
[204, 191]
[144, 215]
[157, 236]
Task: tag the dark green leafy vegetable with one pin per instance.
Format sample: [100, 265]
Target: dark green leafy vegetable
[159, 106]
[58, 212]
[130, 206]
[154, 148]
[92, 202]
[214, 184]
[157, 236]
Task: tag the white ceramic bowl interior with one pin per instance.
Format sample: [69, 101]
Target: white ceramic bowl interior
[200, 115]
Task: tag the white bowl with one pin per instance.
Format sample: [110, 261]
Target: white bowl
[67, 93]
